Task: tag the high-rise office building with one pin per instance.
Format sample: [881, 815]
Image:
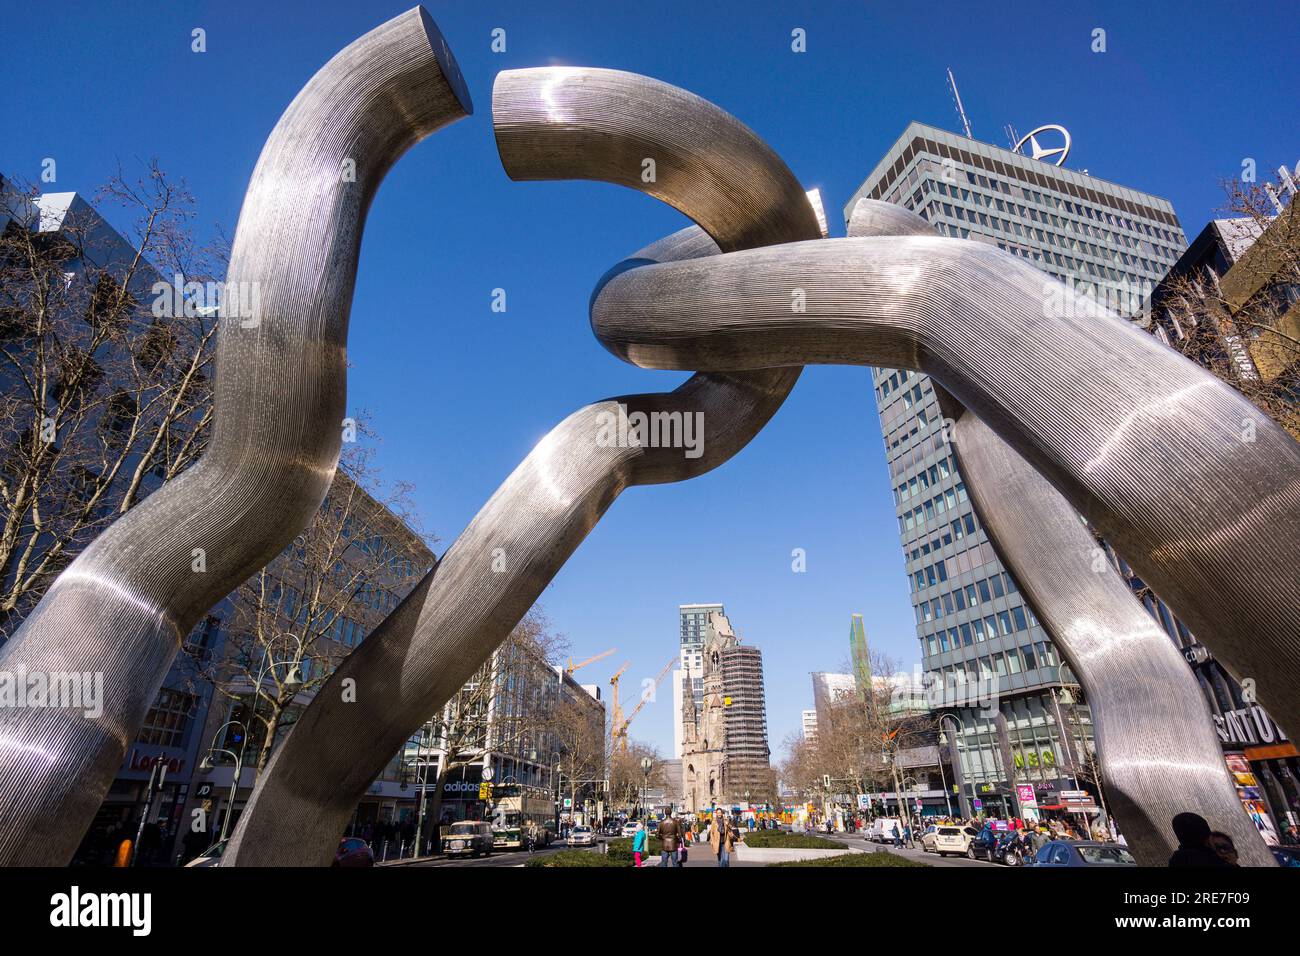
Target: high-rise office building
[859, 653]
[693, 622]
[971, 620]
[828, 690]
[809, 721]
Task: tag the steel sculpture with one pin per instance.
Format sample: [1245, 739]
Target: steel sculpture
[1157, 749]
[549, 123]
[124, 606]
[1194, 485]
[1148, 446]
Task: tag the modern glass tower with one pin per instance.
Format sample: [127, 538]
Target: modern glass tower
[1103, 239]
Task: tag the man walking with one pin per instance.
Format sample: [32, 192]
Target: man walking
[670, 837]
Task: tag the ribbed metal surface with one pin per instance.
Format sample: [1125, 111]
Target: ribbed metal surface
[1157, 749]
[549, 124]
[123, 607]
[1194, 485]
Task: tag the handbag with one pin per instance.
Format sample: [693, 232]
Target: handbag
[681, 852]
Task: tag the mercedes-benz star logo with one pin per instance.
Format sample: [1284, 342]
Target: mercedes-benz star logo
[1037, 151]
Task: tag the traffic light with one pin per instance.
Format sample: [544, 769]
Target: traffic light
[485, 791]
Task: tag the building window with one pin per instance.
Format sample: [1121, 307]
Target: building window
[168, 719]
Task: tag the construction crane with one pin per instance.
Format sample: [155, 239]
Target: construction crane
[590, 660]
[616, 711]
[619, 724]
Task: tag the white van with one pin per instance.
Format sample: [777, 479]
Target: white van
[882, 829]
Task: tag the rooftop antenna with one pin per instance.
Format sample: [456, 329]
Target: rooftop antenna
[1012, 136]
[961, 111]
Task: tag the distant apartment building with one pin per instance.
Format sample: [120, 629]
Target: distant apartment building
[808, 722]
[973, 624]
[829, 689]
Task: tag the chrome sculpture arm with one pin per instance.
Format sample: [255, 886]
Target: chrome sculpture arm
[1157, 749]
[549, 124]
[1156, 746]
[1193, 484]
[124, 606]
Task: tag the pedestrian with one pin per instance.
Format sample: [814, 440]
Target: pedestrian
[1222, 844]
[1193, 834]
[639, 841]
[722, 838]
[670, 838]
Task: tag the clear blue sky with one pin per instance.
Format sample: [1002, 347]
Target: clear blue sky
[459, 394]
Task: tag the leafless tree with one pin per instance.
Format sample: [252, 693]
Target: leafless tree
[626, 776]
[1245, 327]
[101, 399]
[292, 623]
[504, 707]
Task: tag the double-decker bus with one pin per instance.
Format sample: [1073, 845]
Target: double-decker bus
[514, 806]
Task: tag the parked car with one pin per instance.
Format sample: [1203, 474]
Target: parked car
[984, 846]
[469, 838]
[353, 851]
[581, 836]
[1286, 856]
[953, 840]
[927, 838]
[1082, 853]
[882, 829]
[629, 829]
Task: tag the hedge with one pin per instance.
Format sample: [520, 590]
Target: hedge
[856, 859]
[573, 858]
[799, 841]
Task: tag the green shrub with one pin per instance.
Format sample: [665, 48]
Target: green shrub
[567, 858]
[798, 841]
[856, 859]
[622, 850]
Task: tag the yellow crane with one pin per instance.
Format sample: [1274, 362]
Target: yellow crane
[619, 724]
[590, 660]
[616, 712]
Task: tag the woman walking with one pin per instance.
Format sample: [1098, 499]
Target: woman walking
[722, 837]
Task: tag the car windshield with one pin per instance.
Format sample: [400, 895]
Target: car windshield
[582, 829]
[949, 831]
[463, 829]
[1106, 855]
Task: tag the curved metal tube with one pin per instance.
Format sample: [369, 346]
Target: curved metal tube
[124, 606]
[1194, 485]
[1156, 746]
[547, 126]
[1157, 749]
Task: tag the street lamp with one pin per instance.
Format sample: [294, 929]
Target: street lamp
[206, 765]
[646, 764]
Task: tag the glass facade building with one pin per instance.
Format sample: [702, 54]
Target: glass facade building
[975, 629]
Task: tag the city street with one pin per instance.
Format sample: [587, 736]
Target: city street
[933, 859]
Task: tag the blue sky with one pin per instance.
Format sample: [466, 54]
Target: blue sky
[1183, 93]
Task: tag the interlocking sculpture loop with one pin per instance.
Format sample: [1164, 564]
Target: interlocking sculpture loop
[1081, 414]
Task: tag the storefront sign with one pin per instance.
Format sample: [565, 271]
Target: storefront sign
[144, 763]
[1247, 725]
